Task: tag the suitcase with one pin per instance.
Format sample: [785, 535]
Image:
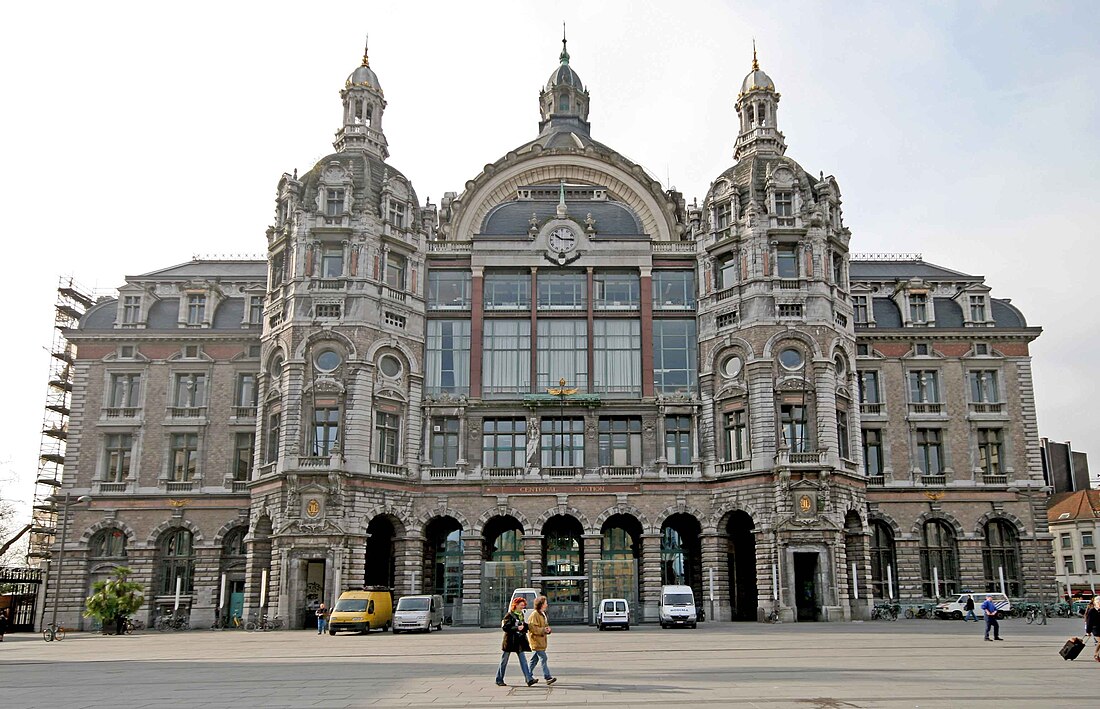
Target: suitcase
[1071, 649]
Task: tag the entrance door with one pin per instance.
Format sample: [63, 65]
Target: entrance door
[805, 585]
[566, 597]
[314, 591]
[498, 580]
[236, 599]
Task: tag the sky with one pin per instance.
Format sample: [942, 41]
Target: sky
[139, 135]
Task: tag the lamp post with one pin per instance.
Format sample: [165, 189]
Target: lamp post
[561, 392]
[66, 504]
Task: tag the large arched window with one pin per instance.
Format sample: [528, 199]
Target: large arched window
[444, 554]
[176, 559]
[1000, 558]
[234, 550]
[939, 556]
[563, 547]
[503, 539]
[883, 575]
[680, 560]
[108, 544]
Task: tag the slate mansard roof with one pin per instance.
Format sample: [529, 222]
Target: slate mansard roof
[514, 218]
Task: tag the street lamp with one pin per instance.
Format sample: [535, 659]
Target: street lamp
[66, 504]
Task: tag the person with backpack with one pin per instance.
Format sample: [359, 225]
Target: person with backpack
[515, 640]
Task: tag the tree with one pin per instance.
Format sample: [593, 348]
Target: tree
[115, 599]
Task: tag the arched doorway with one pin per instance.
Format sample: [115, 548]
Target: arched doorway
[443, 561]
[741, 564]
[615, 573]
[380, 552]
[231, 584]
[882, 560]
[563, 568]
[855, 551]
[175, 570]
[503, 568]
[681, 557]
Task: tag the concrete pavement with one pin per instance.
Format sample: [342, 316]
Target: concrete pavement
[913, 663]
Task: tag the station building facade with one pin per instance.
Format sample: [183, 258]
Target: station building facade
[565, 376]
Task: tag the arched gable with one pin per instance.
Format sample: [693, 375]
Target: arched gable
[174, 523]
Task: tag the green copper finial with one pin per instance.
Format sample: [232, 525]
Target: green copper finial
[564, 52]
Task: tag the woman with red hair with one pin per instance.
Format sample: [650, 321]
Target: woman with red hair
[515, 641]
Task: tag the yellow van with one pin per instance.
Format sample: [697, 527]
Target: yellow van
[362, 611]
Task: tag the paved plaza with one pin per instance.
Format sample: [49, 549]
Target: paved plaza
[914, 663]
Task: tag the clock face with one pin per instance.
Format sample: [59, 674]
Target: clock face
[563, 239]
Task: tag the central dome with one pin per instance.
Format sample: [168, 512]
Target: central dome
[363, 76]
[565, 76]
[757, 79]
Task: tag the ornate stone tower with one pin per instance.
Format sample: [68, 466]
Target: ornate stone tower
[342, 346]
[777, 354]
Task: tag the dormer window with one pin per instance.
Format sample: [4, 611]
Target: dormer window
[397, 214]
[838, 269]
[722, 217]
[131, 309]
[334, 202]
[918, 308]
[255, 309]
[784, 208]
[563, 102]
[977, 308]
[860, 309]
[196, 308]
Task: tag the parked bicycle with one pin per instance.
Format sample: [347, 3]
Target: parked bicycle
[227, 623]
[173, 621]
[52, 632]
[1036, 613]
[263, 622]
[925, 611]
[133, 624]
[884, 611]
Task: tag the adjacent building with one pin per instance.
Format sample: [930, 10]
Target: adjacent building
[1074, 518]
[565, 376]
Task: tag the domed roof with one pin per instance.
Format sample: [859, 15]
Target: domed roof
[363, 76]
[565, 76]
[757, 79]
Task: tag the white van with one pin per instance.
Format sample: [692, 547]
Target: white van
[677, 607]
[613, 613]
[957, 608]
[529, 595]
[418, 613]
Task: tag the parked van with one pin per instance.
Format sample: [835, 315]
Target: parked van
[613, 613]
[677, 607]
[957, 608]
[529, 595]
[361, 611]
[418, 613]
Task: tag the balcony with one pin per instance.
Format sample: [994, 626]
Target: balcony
[450, 247]
[925, 409]
[503, 473]
[442, 473]
[388, 470]
[620, 471]
[121, 412]
[112, 487]
[179, 485]
[732, 467]
[938, 480]
[876, 480]
[563, 471]
[244, 412]
[673, 247]
[872, 409]
[982, 407]
[800, 458]
[238, 485]
[849, 465]
[394, 294]
[725, 294]
[314, 461]
[331, 284]
[788, 284]
[994, 479]
[680, 471]
[186, 412]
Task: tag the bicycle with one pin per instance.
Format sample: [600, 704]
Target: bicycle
[772, 617]
[883, 612]
[173, 621]
[133, 624]
[53, 632]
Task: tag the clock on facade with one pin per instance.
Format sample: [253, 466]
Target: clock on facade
[563, 240]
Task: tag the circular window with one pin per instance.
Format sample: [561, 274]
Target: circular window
[732, 367]
[328, 361]
[790, 358]
[841, 368]
[390, 365]
[277, 366]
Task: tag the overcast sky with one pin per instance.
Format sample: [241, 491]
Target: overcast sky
[136, 135]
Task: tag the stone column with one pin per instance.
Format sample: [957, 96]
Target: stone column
[532, 553]
[466, 609]
[715, 565]
[651, 576]
[592, 544]
[204, 594]
[408, 563]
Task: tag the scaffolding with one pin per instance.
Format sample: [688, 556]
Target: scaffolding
[72, 302]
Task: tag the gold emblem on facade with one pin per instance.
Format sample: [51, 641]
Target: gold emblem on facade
[313, 508]
[178, 503]
[805, 503]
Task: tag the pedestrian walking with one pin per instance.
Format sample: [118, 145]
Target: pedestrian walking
[322, 618]
[515, 640]
[1092, 625]
[969, 607]
[539, 632]
[991, 613]
[3, 623]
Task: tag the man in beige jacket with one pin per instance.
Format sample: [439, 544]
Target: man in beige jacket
[538, 633]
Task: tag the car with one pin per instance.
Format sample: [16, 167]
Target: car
[529, 595]
[676, 606]
[362, 611]
[418, 613]
[613, 613]
[956, 608]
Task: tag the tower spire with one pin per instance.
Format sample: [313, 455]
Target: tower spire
[564, 57]
[755, 64]
[366, 44]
